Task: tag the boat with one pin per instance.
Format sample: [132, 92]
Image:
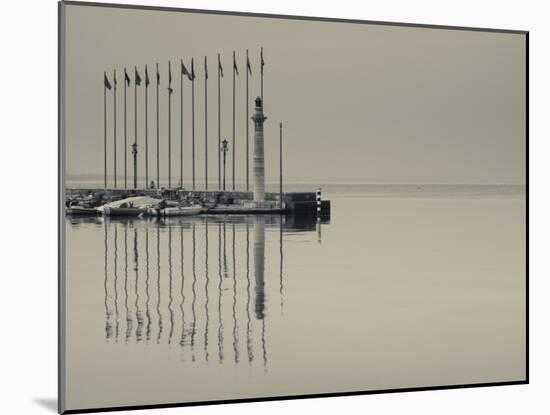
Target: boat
[123, 211]
[180, 211]
[81, 211]
[131, 206]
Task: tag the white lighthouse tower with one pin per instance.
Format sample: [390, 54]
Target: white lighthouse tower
[259, 163]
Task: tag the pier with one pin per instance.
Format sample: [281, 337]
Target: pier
[220, 202]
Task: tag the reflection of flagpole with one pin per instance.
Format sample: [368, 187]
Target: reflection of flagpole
[193, 300]
[139, 317]
[235, 326]
[170, 284]
[220, 327]
[147, 313]
[116, 280]
[248, 319]
[108, 326]
[182, 291]
[207, 281]
[158, 285]
[129, 322]
[281, 259]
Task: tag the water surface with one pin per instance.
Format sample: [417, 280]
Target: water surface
[395, 291]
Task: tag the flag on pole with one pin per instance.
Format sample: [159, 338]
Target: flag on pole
[184, 71]
[146, 77]
[262, 59]
[106, 82]
[220, 69]
[137, 77]
[235, 65]
[170, 90]
[205, 69]
[192, 69]
[158, 75]
[126, 77]
[248, 64]
[114, 78]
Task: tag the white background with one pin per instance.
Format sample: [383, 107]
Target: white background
[28, 151]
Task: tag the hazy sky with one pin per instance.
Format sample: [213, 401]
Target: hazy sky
[359, 102]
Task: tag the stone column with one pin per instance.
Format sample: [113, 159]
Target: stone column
[259, 164]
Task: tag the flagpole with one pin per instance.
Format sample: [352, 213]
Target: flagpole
[169, 130]
[158, 146]
[181, 126]
[205, 129]
[233, 141]
[114, 124]
[135, 128]
[193, 120]
[146, 130]
[281, 165]
[105, 129]
[125, 131]
[246, 123]
[262, 74]
[219, 128]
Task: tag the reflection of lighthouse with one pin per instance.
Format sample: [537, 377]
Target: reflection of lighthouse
[259, 167]
[259, 265]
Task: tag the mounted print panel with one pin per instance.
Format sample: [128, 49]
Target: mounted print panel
[262, 207]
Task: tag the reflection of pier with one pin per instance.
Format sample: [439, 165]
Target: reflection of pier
[226, 299]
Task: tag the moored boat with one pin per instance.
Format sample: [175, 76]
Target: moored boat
[131, 206]
[81, 211]
[181, 211]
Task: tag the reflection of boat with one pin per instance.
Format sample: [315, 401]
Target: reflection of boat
[81, 211]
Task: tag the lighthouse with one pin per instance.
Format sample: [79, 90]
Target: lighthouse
[259, 163]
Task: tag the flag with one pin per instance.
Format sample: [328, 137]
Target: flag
[205, 69]
[184, 71]
[114, 78]
[137, 77]
[158, 75]
[106, 82]
[192, 69]
[248, 64]
[235, 65]
[220, 69]
[170, 90]
[146, 77]
[126, 77]
[262, 59]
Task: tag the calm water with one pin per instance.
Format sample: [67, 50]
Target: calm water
[393, 292]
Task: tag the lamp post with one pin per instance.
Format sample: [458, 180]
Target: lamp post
[224, 150]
